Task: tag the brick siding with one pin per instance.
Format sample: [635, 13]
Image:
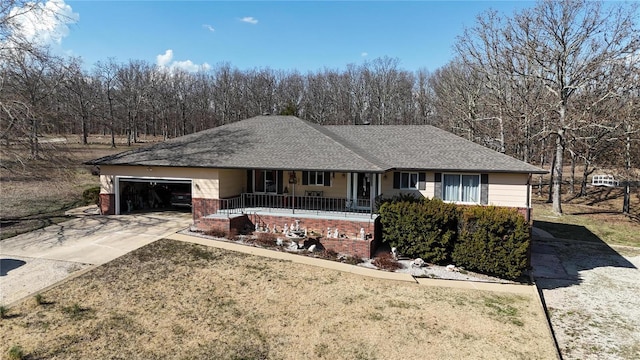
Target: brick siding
[351, 228]
[108, 204]
[203, 207]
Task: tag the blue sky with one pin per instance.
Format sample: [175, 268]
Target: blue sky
[286, 35]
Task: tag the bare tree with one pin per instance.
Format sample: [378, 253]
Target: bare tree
[564, 46]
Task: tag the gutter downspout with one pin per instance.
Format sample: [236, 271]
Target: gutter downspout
[529, 210]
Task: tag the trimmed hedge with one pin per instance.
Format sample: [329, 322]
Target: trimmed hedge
[487, 239]
[492, 240]
[424, 229]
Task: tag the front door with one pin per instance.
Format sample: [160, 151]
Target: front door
[359, 190]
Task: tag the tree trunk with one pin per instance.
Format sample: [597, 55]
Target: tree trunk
[585, 175]
[572, 179]
[553, 171]
[34, 139]
[557, 174]
[626, 208]
[85, 134]
[129, 128]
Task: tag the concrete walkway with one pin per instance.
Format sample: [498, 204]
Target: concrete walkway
[34, 261]
[354, 269]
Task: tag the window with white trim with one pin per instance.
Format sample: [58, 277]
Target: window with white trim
[315, 178]
[461, 188]
[408, 180]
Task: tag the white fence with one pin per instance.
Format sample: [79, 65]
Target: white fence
[604, 180]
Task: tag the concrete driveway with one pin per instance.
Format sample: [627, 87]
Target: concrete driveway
[33, 261]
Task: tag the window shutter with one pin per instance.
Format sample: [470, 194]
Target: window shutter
[327, 178]
[280, 189]
[422, 181]
[305, 178]
[484, 189]
[396, 180]
[437, 193]
[249, 181]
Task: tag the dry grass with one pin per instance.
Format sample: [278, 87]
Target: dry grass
[582, 222]
[175, 300]
[37, 194]
[595, 217]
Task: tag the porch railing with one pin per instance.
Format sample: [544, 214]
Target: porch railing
[301, 204]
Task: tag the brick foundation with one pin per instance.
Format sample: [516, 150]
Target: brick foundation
[527, 213]
[351, 228]
[359, 248]
[224, 223]
[203, 207]
[107, 204]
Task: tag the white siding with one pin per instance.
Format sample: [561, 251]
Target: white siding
[508, 190]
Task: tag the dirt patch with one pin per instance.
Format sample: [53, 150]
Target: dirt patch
[591, 292]
[176, 300]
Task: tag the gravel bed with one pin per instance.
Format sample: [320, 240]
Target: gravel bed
[591, 291]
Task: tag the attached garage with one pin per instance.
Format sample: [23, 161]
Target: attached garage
[140, 194]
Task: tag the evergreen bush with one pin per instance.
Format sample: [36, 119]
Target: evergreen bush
[91, 196]
[424, 229]
[493, 241]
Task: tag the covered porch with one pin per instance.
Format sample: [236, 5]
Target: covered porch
[295, 192]
[309, 204]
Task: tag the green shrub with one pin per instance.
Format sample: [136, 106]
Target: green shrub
[39, 299]
[407, 197]
[75, 311]
[424, 229]
[91, 196]
[493, 241]
[3, 312]
[16, 352]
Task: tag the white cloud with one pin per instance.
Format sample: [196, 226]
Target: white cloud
[249, 19]
[43, 23]
[364, 54]
[166, 61]
[209, 27]
[163, 59]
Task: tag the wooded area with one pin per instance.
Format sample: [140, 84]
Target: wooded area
[554, 84]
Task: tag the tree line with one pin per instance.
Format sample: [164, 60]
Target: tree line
[552, 85]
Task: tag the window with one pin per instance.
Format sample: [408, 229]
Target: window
[266, 181]
[316, 178]
[408, 180]
[461, 188]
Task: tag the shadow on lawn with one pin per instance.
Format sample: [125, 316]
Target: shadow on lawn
[558, 261]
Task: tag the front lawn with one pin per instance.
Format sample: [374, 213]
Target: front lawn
[173, 300]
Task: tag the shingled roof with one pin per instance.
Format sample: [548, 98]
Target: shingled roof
[290, 143]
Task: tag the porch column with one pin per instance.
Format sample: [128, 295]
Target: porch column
[349, 175]
[372, 190]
